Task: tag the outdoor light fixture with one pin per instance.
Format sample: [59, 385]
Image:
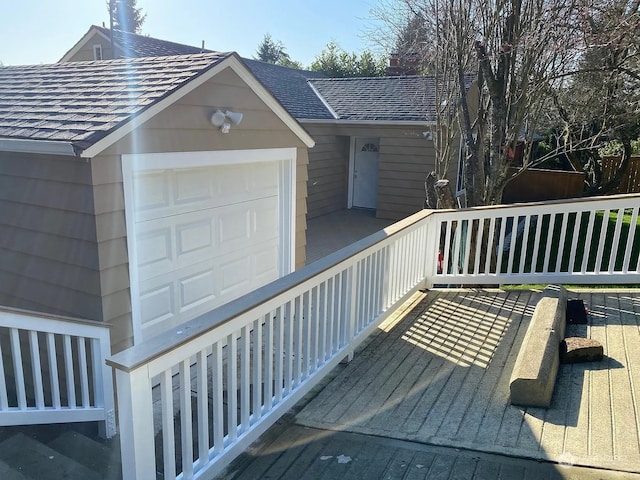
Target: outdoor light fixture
[224, 120]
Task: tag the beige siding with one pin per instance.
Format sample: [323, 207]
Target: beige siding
[405, 160]
[184, 126]
[328, 171]
[85, 53]
[48, 252]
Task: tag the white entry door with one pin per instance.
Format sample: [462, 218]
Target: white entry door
[203, 236]
[365, 172]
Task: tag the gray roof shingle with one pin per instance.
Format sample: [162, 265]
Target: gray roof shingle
[410, 98]
[82, 102]
[135, 45]
[288, 85]
[291, 88]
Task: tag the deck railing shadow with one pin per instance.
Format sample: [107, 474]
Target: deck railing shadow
[282, 339]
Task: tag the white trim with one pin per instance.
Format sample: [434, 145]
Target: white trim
[50, 147]
[324, 102]
[249, 78]
[97, 48]
[287, 157]
[417, 123]
[157, 161]
[230, 62]
[352, 151]
[81, 43]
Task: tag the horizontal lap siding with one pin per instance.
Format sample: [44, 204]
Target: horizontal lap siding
[405, 160]
[184, 126]
[328, 171]
[85, 53]
[48, 251]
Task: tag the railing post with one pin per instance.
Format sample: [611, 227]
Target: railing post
[351, 310]
[431, 250]
[135, 411]
[104, 385]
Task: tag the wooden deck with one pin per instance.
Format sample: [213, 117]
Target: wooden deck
[427, 397]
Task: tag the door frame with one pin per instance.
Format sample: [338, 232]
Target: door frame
[134, 163]
[352, 161]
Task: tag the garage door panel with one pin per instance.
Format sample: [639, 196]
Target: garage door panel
[235, 274]
[152, 191]
[265, 264]
[265, 218]
[197, 289]
[155, 250]
[157, 303]
[195, 238]
[233, 226]
[203, 237]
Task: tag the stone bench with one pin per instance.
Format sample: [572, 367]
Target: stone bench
[534, 373]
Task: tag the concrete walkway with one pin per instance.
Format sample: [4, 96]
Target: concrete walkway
[329, 233]
[435, 378]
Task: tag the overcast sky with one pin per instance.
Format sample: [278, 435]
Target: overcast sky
[41, 31]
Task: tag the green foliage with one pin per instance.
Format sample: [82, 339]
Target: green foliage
[333, 61]
[615, 148]
[274, 51]
[126, 16]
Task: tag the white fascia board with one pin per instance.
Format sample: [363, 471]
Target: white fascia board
[245, 74]
[81, 43]
[49, 147]
[150, 112]
[414, 123]
[229, 62]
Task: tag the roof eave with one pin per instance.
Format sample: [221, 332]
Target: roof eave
[330, 121]
[80, 43]
[233, 62]
[49, 147]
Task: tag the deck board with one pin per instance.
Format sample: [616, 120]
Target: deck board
[441, 376]
[426, 397]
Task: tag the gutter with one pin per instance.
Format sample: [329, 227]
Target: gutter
[415, 123]
[50, 147]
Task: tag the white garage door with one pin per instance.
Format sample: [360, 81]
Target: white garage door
[204, 235]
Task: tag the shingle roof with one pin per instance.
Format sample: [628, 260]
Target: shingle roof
[410, 98]
[291, 88]
[135, 45]
[81, 102]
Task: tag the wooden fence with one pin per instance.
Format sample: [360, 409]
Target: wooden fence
[631, 182]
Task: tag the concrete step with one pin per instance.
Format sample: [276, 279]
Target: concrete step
[101, 457]
[36, 460]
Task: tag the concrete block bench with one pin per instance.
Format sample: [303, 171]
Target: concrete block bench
[534, 373]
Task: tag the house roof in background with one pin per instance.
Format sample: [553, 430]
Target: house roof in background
[134, 45]
[82, 102]
[390, 99]
[290, 86]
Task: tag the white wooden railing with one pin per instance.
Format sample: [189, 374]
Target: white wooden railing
[246, 363]
[572, 242]
[209, 388]
[53, 370]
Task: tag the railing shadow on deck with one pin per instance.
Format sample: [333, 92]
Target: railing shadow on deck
[272, 346]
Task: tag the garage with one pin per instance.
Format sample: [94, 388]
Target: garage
[208, 228]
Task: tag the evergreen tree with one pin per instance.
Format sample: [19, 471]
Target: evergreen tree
[125, 15]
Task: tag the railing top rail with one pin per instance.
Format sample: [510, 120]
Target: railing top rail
[48, 316]
[549, 203]
[155, 347]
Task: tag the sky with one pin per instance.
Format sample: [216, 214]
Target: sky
[42, 31]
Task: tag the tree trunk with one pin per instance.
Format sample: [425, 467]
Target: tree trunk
[431, 197]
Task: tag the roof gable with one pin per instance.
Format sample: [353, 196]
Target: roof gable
[90, 104]
[132, 45]
[81, 102]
